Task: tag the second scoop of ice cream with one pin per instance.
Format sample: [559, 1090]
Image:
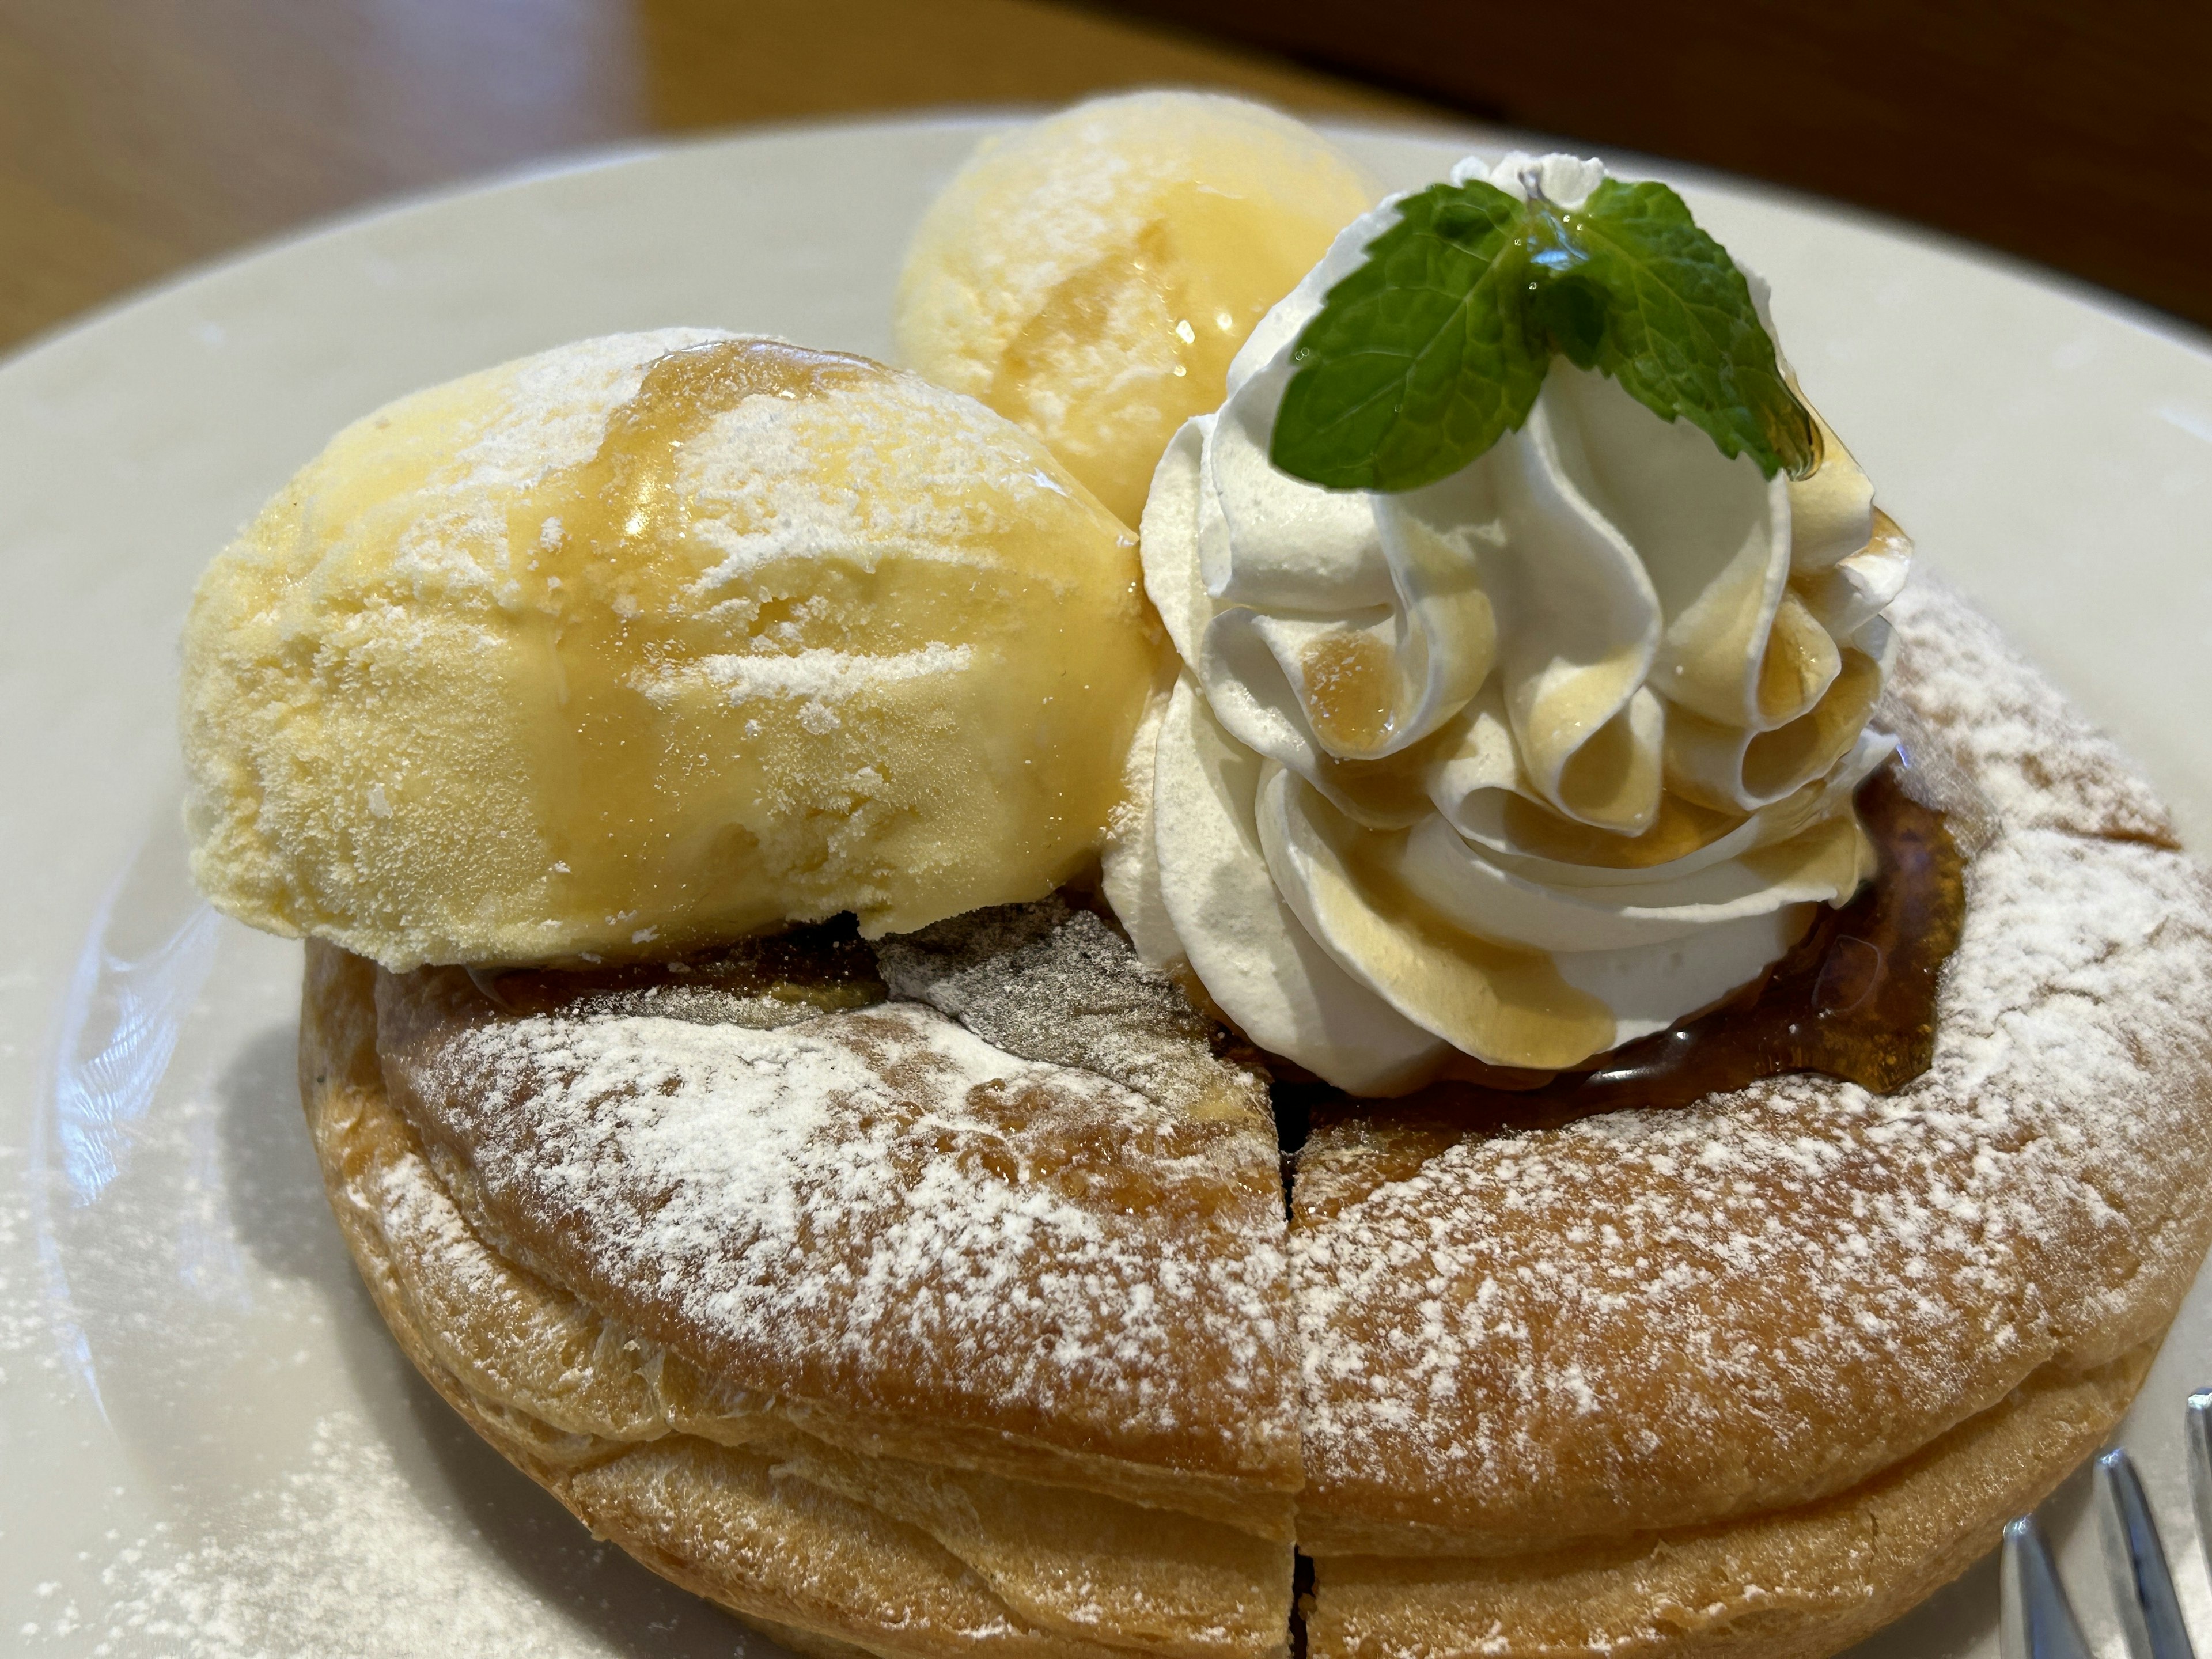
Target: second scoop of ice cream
[1091, 277]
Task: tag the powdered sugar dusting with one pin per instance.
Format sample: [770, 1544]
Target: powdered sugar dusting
[552, 414]
[1652, 1319]
[941, 489]
[879, 1211]
[702, 1005]
[376, 1560]
[1050, 984]
[556, 405]
[2029, 749]
[813, 673]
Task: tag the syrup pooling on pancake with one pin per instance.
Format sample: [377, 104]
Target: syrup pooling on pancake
[1089, 277]
[1855, 999]
[1524, 762]
[655, 640]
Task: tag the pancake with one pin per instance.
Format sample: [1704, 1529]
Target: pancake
[1755, 1374]
[934, 1295]
[843, 1315]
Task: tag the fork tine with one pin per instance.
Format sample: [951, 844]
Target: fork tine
[2199, 1436]
[2142, 1586]
[2036, 1620]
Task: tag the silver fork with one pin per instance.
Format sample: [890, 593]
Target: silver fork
[2038, 1620]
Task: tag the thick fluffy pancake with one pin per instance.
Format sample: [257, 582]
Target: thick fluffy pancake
[1748, 1377]
[713, 1484]
[1698, 1343]
[905, 1235]
[1795, 1585]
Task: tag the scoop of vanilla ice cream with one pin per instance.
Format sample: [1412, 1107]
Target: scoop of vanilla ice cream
[1091, 277]
[653, 640]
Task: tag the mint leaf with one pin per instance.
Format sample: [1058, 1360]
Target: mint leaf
[1422, 358]
[1681, 335]
[1566, 309]
[1569, 310]
[1436, 346]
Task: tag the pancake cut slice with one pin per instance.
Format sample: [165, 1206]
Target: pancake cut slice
[1755, 1374]
[885, 1329]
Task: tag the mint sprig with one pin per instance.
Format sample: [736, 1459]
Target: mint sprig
[1436, 346]
[1417, 362]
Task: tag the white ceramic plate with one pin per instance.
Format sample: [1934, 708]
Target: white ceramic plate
[208, 1444]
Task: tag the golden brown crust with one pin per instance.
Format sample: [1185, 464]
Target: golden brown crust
[1754, 1377]
[1749, 1378]
[2041, 764]
[1795, 1585]
[1524, 1341]
[885, 1232]
[848, 1551]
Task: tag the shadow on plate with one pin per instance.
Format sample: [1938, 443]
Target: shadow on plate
[277, 1205]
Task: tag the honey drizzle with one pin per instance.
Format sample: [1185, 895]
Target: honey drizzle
[1349, 691]
[606, 534]
[1680, 828]
[1184, 294]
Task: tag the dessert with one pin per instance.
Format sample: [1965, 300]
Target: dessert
[1757, 1373]
[902, 1321]
[1627, 1080]
[880, 1328]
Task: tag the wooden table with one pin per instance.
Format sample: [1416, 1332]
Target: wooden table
[139, 137]
[2077, 133]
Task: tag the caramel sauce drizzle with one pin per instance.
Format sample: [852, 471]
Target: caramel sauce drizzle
[1349, 690]
[1855, 1000]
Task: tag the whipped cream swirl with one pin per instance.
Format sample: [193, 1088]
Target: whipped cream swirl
[1522, 765]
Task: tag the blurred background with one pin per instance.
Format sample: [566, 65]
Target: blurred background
[137, 136]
